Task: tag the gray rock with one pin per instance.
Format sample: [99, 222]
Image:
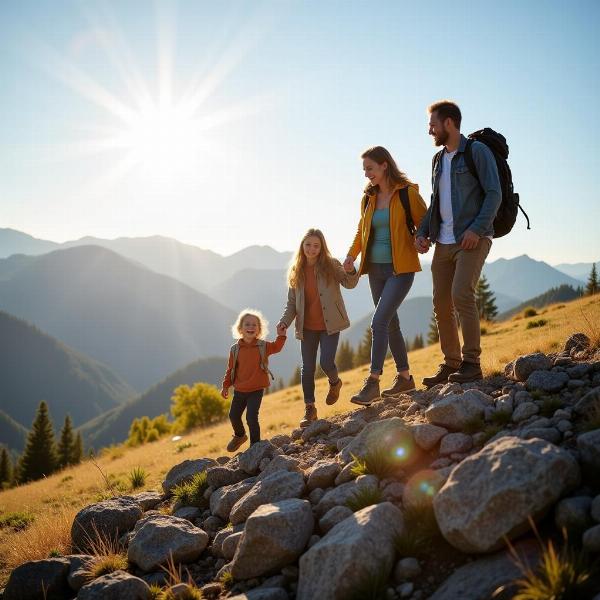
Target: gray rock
[185, 471]
[406, 568]
[262, 594]
[591, 539]
[405, 590]
[525, 365]
[339, 495]
[394, 491]
[573, 513]
[322, 474]
[334, 516]
[217, 544]
[353, 550]
[588, 405]
[109, 519]
[346, 474]
[39, 579]
[280, 463]
[188, 512]
[550, 434]
[78, 575]
[230, 544]
[281, 485]
[250, 459]
[148, 500]
[589, 452]
[455, 442]
[212, 524]
[115, 586]
[161, 538]
[316, 495]
[221, 476]
[343, 442]
[524, 411]
[274, 536]
[547, 381]
[577, 342]
[427, 435]
[352, 426]
[280, 440]
[223, 499]
[318, 427]
[491, 494]
[478, 580]
[595, 509]
[522, 396]
[390, 432]
[454, 411]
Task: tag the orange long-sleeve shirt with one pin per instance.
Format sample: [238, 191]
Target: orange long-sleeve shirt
[249, 375]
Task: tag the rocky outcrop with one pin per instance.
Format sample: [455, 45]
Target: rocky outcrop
[185, 471]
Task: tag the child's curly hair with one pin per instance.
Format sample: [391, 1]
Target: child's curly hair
[263, 324]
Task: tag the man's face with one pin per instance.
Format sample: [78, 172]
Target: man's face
[437, 130]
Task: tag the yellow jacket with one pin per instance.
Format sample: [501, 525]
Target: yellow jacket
[404, 255]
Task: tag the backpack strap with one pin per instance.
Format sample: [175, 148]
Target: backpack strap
[470, 162]
[233, 352]
[264, 364]
[406, 204]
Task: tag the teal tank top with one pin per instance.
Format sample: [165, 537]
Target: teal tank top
[380, 244]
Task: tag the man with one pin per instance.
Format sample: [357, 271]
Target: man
[459, 221]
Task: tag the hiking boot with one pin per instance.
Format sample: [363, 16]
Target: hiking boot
[236, 441]
[440, 377]
[334, 392]
[466, 373]
[401, 385]
[368, 392]
[310, 415]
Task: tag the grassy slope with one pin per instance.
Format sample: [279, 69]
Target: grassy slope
[55, 500]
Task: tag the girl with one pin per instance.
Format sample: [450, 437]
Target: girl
[315, 301]
[390, 210]
[248, 372]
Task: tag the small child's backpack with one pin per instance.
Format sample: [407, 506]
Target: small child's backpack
[264, 361]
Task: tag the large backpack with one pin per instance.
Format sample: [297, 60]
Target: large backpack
[264, 363]
[509, 207]
[410, 224]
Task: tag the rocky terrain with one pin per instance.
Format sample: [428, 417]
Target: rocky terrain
[413, 497]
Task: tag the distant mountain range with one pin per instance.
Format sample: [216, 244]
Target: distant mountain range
[12, 434]
[562, 293]
[579, 271]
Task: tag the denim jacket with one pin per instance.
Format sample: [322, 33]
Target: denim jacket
[474, 206]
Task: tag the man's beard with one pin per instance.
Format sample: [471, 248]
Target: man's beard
[441, 138]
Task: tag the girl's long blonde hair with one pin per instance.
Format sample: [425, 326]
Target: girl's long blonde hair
[381, 155]
[325, 266]
[263, 324]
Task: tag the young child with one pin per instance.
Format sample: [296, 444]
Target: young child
[315, 301]
[248, 372]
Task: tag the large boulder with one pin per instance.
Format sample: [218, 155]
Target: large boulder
[547, 381]
[185, 471]
[39, 579]
[525, 365]
[274, 536]
[250, 459]
[108, 520]
[388, 433]
[223, 499]
[281, 485]
[454, 411]
[490, 495]
[363, 544]
[162, 538]
[115, 586]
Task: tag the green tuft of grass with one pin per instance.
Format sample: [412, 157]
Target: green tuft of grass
[421, 532]
[473, 425]
[226, 580]
[17, 521]
[535, 324]
[184, 446]
[373, 586]
[529, 312]
[102, 565]
[501, 418]
[550, 405]
[536, 394]
[359, 468]
[137, 477]
[363, 497]
[191, 493]
[155, 591]
[190, 593]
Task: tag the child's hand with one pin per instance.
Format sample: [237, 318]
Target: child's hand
[224, 393]
[281, 328]
[349, 264]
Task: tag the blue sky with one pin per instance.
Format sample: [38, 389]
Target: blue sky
[291, 93]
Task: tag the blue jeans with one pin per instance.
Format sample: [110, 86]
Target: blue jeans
[388, 291]
[311, 340]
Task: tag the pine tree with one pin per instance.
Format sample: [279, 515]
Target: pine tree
[345, 357]
[295, 379]
[433, 335]
[39, 457]
[362, 356]
[418, 342]
[486, 301]
[66, 444]
[6, 473]
[77, 449]
[592, 284]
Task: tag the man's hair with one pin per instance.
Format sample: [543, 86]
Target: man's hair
[446, 109]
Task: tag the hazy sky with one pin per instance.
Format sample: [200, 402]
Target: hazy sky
[231, 123]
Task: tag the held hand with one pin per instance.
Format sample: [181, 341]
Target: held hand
[349, 264]
[422, 244]
[224, 393]
[470, 240]
[281, 328]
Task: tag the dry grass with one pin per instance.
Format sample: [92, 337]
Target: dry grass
[55, 500]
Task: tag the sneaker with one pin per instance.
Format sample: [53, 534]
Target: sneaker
[334, 392]
[440, 377]
[401, 385]
[368, 392]
[466, 373]
[236, 441]
[310, 415]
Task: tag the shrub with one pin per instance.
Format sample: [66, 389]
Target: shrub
[16, 520]
[183, 446]
[550, 405]
[137, 477]
[538, 323]
[420, 534]
[529, 312]
[363, 497]
[145, 430]
[191, 493]
[200, 405]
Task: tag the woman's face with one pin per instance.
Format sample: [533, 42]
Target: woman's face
[375, 172]
[311, 247]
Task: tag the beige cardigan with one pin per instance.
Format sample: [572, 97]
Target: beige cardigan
[332, 303]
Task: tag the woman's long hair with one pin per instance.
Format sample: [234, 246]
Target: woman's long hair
[325, 266]
[395, 176]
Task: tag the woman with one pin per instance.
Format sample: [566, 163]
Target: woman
[315, 301]
[391, 209]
